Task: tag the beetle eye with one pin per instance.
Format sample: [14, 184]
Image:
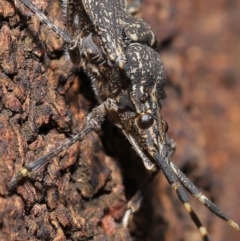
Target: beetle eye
[145, 120]
[164, 126]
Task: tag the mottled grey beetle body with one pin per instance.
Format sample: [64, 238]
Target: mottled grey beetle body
[111, 21]
[116, 52]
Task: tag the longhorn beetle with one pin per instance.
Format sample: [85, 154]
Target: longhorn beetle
[116, 51]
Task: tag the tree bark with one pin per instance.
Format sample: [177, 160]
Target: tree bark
[82, 193]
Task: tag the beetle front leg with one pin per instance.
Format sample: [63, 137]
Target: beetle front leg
[93, 123]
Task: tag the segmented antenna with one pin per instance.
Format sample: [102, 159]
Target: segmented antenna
[178, 180]
[47, 21]
[196, 193]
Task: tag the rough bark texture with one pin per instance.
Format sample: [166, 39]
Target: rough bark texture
[82, 193]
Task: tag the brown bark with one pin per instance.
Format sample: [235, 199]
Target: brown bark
[81, 194]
